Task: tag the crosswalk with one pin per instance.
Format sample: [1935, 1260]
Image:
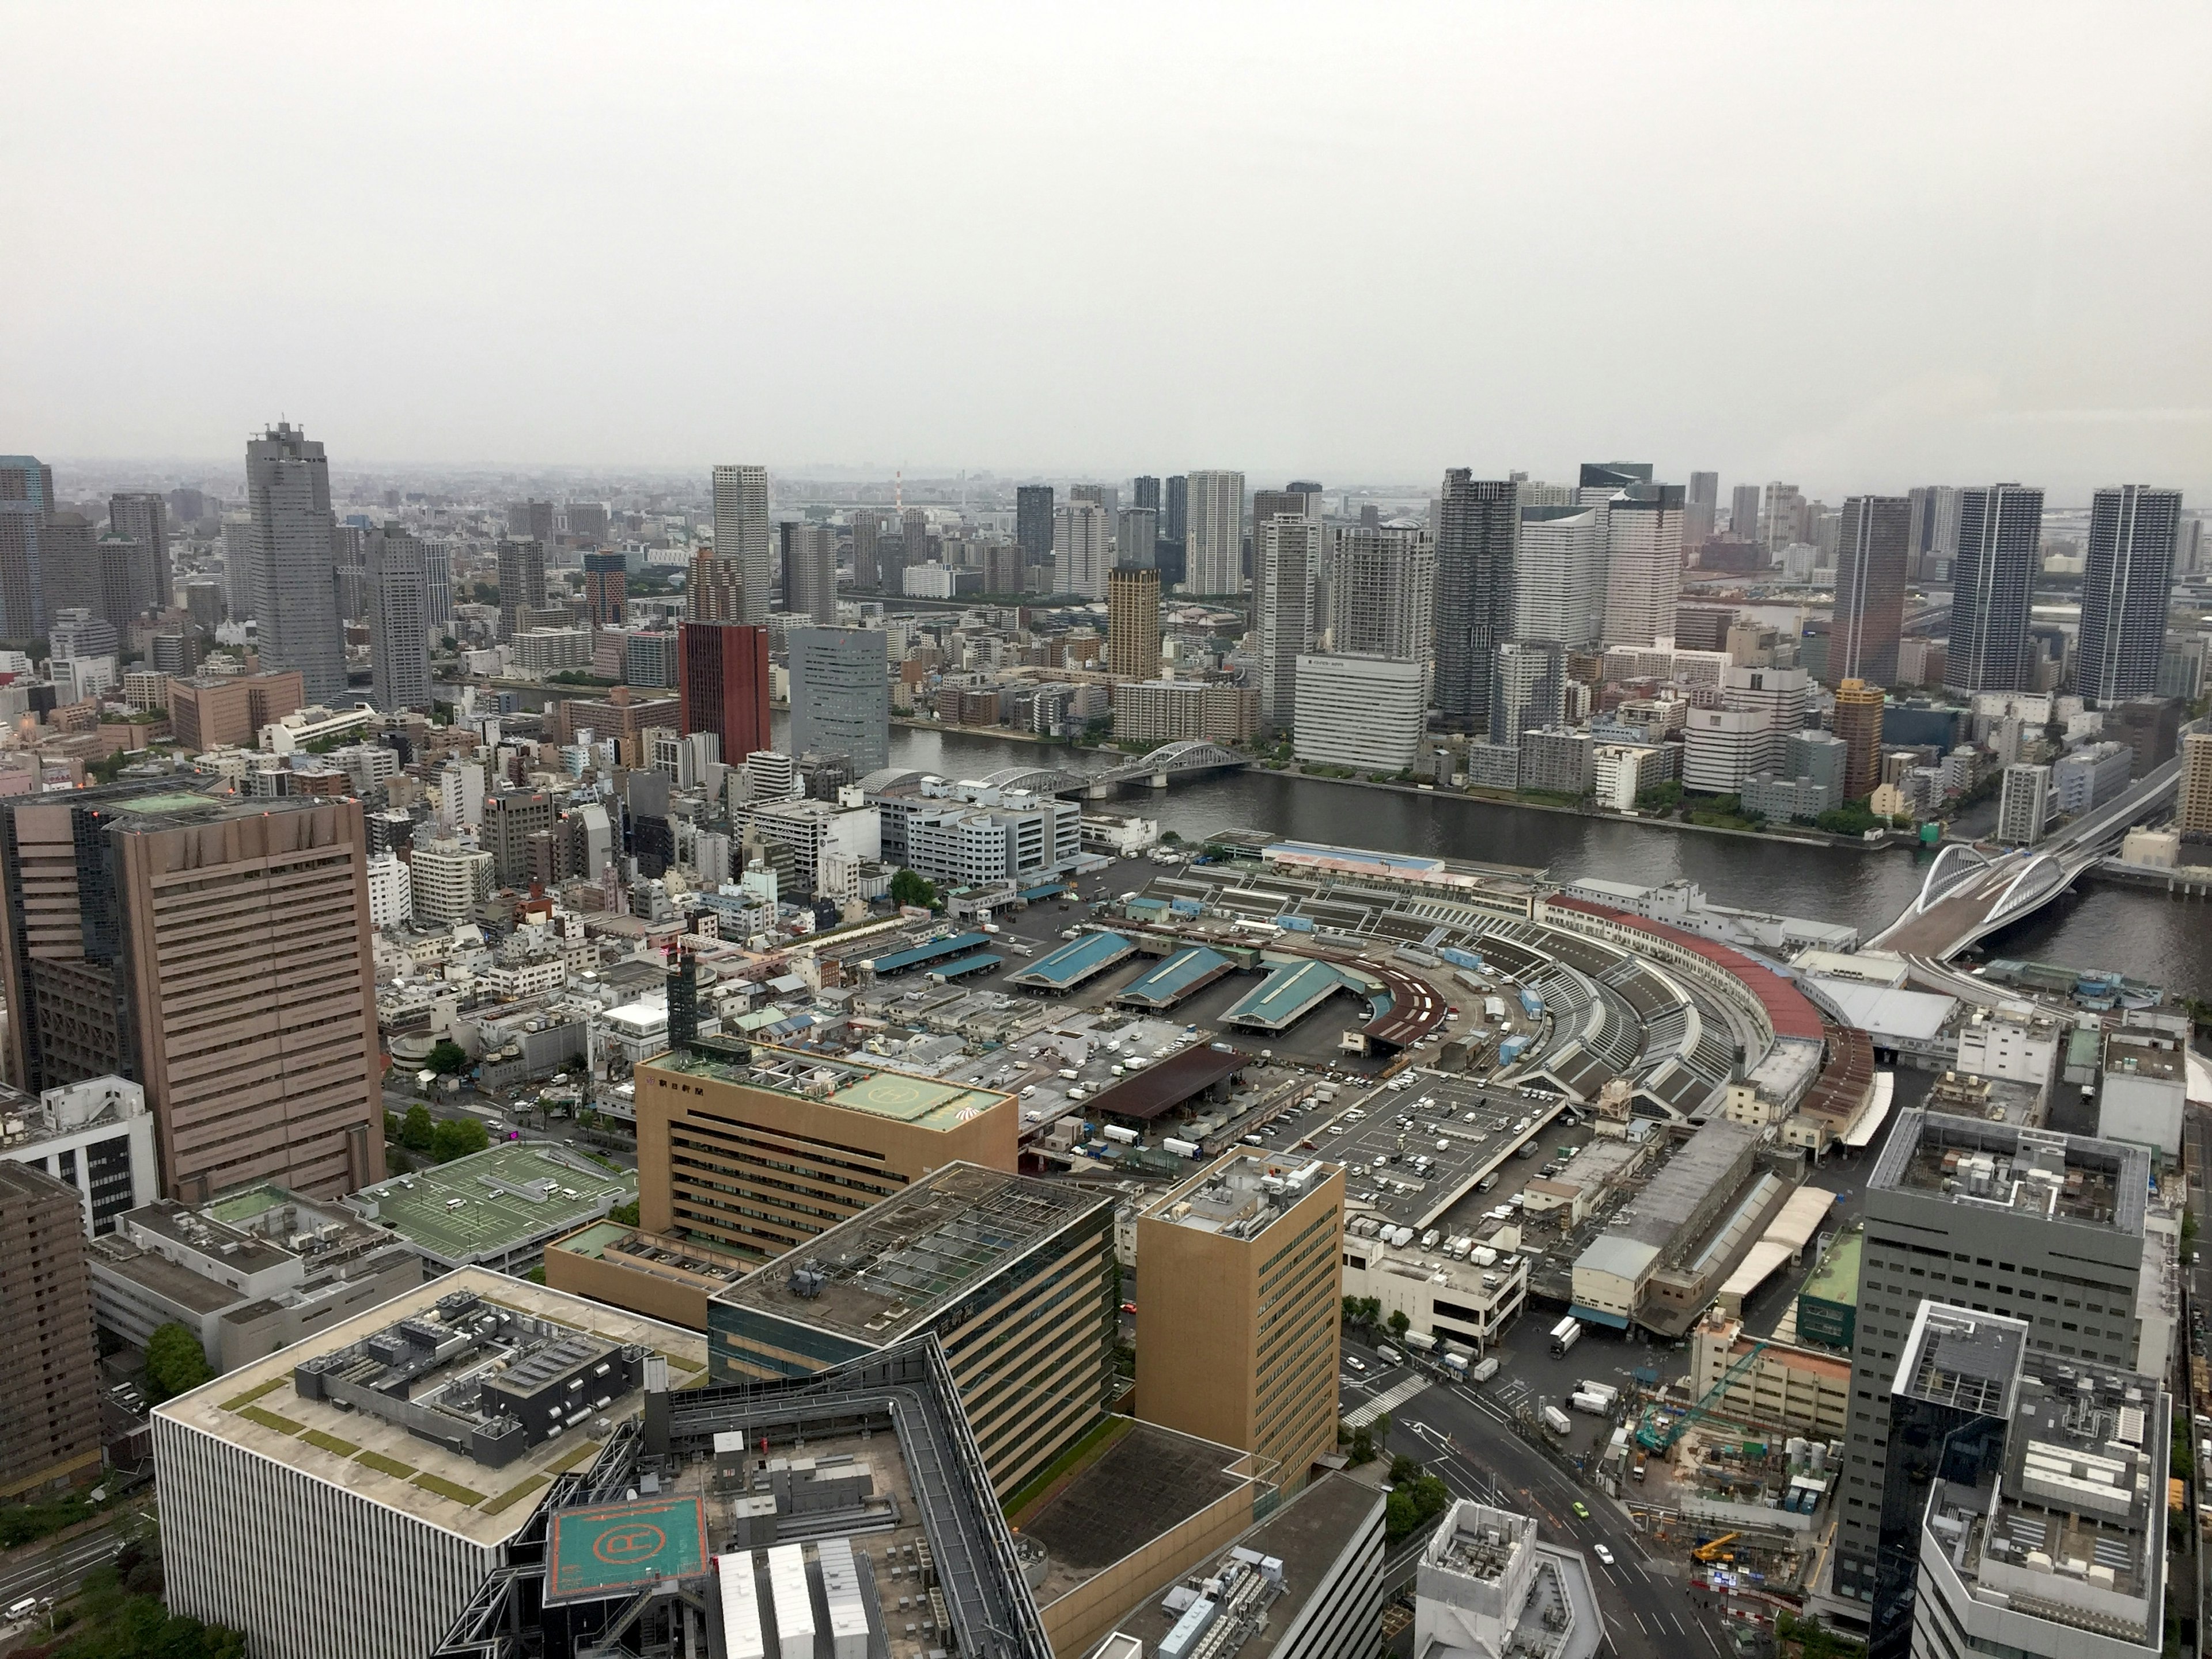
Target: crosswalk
[1389, 1400]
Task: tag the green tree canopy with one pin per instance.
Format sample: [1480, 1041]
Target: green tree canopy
[448, 1056]
[457, 1137]
[416, 1130]
[1399, 1323]
[175, 1362]
[911, 887]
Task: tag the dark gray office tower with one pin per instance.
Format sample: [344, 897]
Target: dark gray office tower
[2040, 1227]
[1934, 534]
[521, 583]
[288, 585]
[913, 547]
[529, 520]
[69, 565]
[1477, 531]
[27, 502]
[1175, 511]
[1870, 556]
[396, 579]
[2127, 584]
[1614, 475]
[841, 697]
[810, 571]
[1700, 506]
[867, 529]
[1033, 508]
[1743, 513]
[2000, 531]
[349, 561]
[1137, 539]
[1145, 492]
[144, 518]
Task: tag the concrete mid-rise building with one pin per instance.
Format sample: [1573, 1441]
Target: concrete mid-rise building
[1014, 1275]
[96, 1137]
[2085, 779]
[1176, 711]
[1489, 1588]
[214, 951]
[2025, 807]
[448, 879]
[213, 710]
[1723, 749]
[1238, 1327]
[1367, 712]
[2027, 1225]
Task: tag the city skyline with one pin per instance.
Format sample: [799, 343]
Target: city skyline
[2004, 346]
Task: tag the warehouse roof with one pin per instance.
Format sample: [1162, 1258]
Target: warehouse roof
[1161, 1088]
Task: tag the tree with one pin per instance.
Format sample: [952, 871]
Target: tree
[175, 1362]
[625, 1214]
[416, 1130]
[911, 887]
[457, 1137]
[1399, 1323]
[447, 1057]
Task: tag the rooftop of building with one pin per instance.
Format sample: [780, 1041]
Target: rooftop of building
[902, 1096]
[1494, 1553]
[685, 1261]
[27, 1120]
[1996, 1099]
[257, 1408]
[494, 1201]
[2036, 1172]
[1240, 1195]
[1698, 1165]
[893, 1268]
[1291, 1551]
[1836, 1277]
[2134, 1053]
[2065, 1521]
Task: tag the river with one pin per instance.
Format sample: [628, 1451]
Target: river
[2140, 933]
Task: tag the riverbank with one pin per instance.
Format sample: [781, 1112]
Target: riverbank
[1898, 841]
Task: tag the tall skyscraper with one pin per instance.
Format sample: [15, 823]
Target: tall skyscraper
[2000, 533]
[2193, 799]
[914, 545]
[1701, 506]
[1527, 688]
[49, 1365]
[1133, 619]
[521, 583]
[1559, 575]
[867, 556]
[1145, 492]
[1033, 510]
[1644, 562]
[1106, 498]
[841, 698]
[27, 502]
[1381, 593]
[398, 582]
[292, 595]
[1175, 510]
[144, 518]
[1934, 531]
[722, 682]
[742, 538]
[606, 588]
[1289, 550]
[2127, 586]
[1275, 504]
[215, 951]
[1137, 539]
[1215, 557]
[1081, 551]
[810, 581]
[1783, 517]
[1872, 551]
[1610, 476]
[530, 521]
[1477, 535]
[1743, 513]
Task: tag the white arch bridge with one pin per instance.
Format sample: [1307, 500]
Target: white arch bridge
[1159, 768]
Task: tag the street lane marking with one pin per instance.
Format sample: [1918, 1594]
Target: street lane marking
[1389, 1399]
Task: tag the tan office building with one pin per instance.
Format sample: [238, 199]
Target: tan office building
[744, 1155]
[50, 1366]
[209, 709]
[215, 951]
[1015, 1276]
[1239, 1309]
[1132, 622]
[2194, 817]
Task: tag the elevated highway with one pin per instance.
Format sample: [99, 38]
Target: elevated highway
[1972, 890]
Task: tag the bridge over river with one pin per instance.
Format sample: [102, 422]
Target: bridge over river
[1971, 891]
[1159, 769]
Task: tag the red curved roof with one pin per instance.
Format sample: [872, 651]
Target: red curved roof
[1788, 1009]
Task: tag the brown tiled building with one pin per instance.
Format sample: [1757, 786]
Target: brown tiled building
[209, 709]
[215, 951]
[50, 1364]
[619, 715]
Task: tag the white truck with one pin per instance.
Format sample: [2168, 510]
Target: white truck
[1483, 1372]
[1565, 1335]
[1605, 1391]
[1595, 1404]
[1557, 1421]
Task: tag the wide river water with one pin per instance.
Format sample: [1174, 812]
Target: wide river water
[2137, 932]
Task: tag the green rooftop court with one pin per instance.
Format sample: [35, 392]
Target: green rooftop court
[494, 1208]
[904, 1097]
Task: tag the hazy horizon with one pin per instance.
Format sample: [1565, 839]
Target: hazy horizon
[1858, 249]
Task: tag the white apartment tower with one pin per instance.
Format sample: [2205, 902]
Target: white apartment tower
[1291, 549]
[1644, 543]
[1082, 549]
[1559, 590]
[1214, 563]
[741, 535]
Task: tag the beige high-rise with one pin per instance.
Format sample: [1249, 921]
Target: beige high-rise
[216, 952]
[742, 542]
[2195, 799]
[1239, 1309]
[1132, 622]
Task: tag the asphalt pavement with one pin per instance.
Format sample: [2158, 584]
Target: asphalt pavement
[1465, 1439]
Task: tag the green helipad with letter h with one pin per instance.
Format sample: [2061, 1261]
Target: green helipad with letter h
[610, 1548]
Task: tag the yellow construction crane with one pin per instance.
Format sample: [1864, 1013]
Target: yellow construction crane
[1710, 1550]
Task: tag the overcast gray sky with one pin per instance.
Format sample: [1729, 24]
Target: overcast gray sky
[1854, 248]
